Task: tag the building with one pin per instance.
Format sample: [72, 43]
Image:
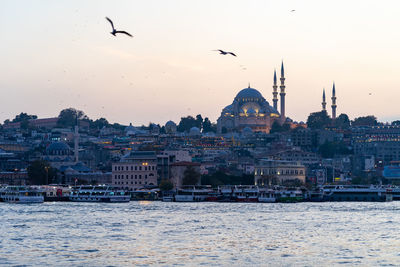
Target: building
[278, 171]
[135, 170]
[249, 110]
[178, 172]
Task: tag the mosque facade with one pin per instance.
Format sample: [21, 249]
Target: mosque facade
[251, 111]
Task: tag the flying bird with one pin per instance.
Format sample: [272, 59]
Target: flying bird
[293, 10]
[222, 52]
[114, 31]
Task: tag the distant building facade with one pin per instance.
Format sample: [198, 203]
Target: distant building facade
[279, 170]
[135, 170]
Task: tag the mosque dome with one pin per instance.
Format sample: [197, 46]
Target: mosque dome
[170, 127]
[249, 93]
[58, 148]
[247, 131]
[194, 131]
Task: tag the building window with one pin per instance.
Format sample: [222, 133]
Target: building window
[140, 168]
[145, 176]
[131, 168]
[140, 176]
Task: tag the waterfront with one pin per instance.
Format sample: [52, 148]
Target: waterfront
[157, 233]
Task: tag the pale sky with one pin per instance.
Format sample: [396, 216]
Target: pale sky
[60, 54]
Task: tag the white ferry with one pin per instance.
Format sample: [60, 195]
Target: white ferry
[98, 193]
[267, 196]
[21, 194]
[192, 194]
[357, 193]
[246, 193]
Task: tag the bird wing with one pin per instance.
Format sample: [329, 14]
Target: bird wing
[232, 54]
[124, 32]
[112, 24]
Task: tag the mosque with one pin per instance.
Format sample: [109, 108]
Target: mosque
[250, 110]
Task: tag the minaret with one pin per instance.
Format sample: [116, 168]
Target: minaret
[275, 92]
[282, 92]
[333, 102]
[76, 142]
[323, 101]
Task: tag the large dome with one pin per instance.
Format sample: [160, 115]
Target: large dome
[248, 93]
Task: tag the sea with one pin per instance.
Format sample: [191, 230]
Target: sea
[200, 234]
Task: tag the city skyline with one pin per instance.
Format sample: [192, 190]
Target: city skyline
[61, 55]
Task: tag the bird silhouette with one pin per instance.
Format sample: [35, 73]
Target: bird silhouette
[293, 10]
[114, 31]
[222, 52]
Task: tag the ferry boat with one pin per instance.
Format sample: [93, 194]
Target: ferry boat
[357, 193]
[225, 194]
[267, 196]
[21, 194]
[290, 196]
[98, 193]
[55, 192]
[167, 196]
[192, 194]
[246, 193]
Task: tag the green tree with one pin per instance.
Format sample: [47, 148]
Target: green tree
[23, 117]
[69, 117]
[365, 121]
[186, 123]
[397, 122]
[318, 120]
[199, 121]
[40, 172]
[190, 176]
[207, 126]
[276, 127]
[342, 121]
[330, 149]
[99, 123]
[166, 185]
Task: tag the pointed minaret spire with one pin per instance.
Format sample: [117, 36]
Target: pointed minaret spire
[323, 101]
[249, 85]
[282, 94]
[275, 92]
[333, 102]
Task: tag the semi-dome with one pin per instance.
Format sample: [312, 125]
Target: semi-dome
[58, 148]
[249, 93]
[194, 131]
[170, 123]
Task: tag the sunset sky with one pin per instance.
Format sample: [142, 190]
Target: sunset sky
[60, 54]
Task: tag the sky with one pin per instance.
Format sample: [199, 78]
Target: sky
[60, 54]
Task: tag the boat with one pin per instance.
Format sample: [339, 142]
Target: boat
[192, 194]
[357, 193]
[246, 193]
[55, 192]
[99, 193]
[267, 196]
[21, 194]
[168, 196]
[290, 195]
[225, 194]
[144, 194]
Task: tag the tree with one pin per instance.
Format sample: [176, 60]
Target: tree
[190, 176]
[342, 121]
[166, 185]
[330, 149]
[276, 127]
[99, 123]
[318, 120]
[40, 172]
[207, 126]
[365, 121]
[23, 117]
[199, 121]
[395, 123]
[186, 123]
[68, 117]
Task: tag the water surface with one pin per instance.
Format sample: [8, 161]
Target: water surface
[237, 234]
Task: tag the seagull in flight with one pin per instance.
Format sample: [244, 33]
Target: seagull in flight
[114, 31]
[293, 10]
[222, 52]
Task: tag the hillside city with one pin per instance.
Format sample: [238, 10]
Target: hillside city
[73, 149]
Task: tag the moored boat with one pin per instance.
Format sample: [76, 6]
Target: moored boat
[98, 193]
[21, 194]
